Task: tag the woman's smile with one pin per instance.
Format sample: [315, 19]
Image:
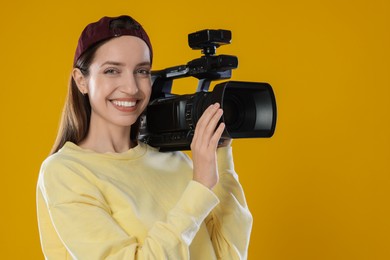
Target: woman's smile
[125, 104]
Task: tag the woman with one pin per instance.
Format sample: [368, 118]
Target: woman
[103, 195]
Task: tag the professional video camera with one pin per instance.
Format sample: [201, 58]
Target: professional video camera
[169, 120]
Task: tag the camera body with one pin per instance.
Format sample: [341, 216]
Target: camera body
[170, 120]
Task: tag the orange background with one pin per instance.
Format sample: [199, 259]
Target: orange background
[319, 189]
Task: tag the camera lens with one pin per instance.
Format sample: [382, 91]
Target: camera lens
[233, 110]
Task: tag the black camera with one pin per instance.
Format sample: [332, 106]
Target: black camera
[169, 120]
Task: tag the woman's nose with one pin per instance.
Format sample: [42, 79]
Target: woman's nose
[129, 84]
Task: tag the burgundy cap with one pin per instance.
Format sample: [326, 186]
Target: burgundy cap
[107, 28]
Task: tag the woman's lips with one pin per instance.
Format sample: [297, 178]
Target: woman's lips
[125, 105]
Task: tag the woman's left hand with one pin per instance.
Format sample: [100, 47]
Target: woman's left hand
[204, 145]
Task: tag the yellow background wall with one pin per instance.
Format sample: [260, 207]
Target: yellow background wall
[319, 189]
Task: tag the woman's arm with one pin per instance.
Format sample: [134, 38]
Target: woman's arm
[84, 224]
[230, 222]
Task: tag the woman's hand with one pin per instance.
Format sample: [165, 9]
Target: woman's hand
[204, 145]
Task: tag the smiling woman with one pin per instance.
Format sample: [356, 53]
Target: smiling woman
[118, 86]
[102, 194]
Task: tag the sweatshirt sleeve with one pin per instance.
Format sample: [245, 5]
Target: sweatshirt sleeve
[230, 222]
[83, 222]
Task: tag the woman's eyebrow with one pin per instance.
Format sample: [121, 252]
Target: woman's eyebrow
[114, 63]
[145, 63]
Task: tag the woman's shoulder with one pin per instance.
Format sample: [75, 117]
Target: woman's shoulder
[57, 161]
[64, 153]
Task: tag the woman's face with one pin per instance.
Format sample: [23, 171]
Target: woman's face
[119, 83]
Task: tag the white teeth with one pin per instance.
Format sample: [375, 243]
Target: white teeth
[124, 103]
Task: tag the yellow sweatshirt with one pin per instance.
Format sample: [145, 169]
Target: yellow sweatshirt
[140, 204]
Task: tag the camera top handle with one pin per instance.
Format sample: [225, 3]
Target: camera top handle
[206, 68]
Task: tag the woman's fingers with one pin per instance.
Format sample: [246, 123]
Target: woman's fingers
[207, 124]
[217, 136]
[204, 145]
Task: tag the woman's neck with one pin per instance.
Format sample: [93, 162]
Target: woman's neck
[113, 139]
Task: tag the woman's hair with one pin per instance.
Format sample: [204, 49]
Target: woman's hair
[76, 114]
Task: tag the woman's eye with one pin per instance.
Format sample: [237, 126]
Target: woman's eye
[144, 72]
[111, 71]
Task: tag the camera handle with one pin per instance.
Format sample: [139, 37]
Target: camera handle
[204, 83]
[162, 85]
[205, 69]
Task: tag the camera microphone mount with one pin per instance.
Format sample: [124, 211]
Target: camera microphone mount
[206, 68]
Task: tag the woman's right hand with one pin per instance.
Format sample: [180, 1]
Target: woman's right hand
[204, 146]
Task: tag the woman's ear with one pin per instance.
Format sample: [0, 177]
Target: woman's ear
[80, 80]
